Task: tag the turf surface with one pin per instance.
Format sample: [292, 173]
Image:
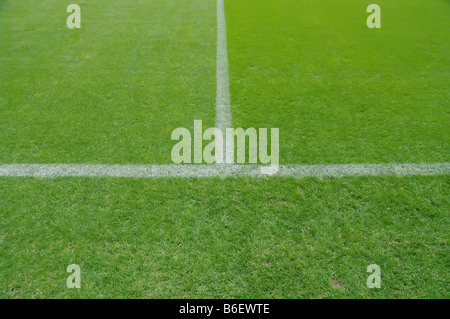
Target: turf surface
[110, 92]
[338, 91]
[228, 238]
[113, 92]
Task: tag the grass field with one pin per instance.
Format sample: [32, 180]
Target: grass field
[339, 91]
[110, 92]
[113, 91]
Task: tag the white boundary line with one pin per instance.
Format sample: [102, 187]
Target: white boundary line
[232, 170]
[223, 121]
[223, 105]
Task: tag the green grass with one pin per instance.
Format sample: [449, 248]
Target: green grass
[110, 92]
[232, 238]
[113, 92]
[338, 91]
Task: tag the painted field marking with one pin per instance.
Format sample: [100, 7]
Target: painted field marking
[232, 170]
[223, 104]
[223, 121]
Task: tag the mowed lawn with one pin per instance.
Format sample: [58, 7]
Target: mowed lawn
[225, 238]
[110, 92]
[113, 92]
[339, 91]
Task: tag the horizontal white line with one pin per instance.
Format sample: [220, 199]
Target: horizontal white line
[171, 170]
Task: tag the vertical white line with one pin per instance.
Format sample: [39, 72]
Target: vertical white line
[223, 105]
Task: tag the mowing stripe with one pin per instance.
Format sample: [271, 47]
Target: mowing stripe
[232, 170]
[223, 121]
[223, 105]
